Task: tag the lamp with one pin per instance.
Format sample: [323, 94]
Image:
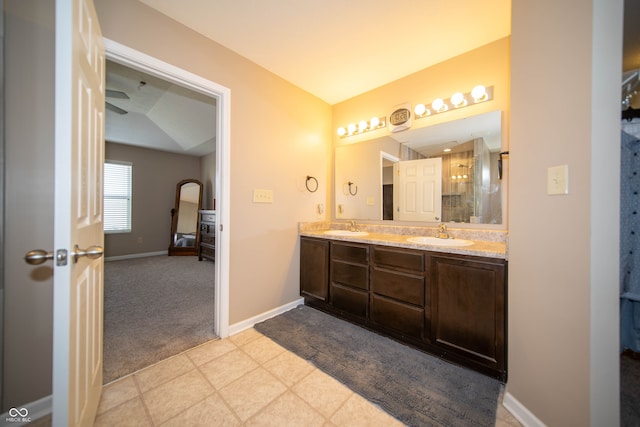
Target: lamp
[439, 106]
[477, 95]
[421, 110]
[362, 127]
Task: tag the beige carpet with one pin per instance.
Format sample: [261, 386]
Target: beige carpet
[154, 308]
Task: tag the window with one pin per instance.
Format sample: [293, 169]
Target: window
[117, 197]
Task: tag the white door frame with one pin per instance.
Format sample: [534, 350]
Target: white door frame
[135, 59]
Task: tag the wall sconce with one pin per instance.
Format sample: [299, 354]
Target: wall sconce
[458, 100]
[362, 127]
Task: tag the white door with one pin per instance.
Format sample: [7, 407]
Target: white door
[419, 190]
[79, 159]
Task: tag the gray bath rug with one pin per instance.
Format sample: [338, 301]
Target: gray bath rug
[414, 387]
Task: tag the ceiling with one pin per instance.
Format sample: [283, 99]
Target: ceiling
[157, 114]
[333, 49]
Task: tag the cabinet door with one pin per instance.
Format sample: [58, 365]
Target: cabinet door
[314, 268]
[469, 308]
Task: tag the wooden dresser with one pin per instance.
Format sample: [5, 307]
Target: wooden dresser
[207, 246]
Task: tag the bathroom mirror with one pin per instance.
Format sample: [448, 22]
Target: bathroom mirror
[184, 218]
[467, 188]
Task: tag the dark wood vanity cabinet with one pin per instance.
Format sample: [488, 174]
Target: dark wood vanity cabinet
[469, 309]
[453, 306]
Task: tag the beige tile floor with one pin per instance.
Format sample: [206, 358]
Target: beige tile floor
[246, 379]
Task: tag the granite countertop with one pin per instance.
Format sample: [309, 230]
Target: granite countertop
[494, 246]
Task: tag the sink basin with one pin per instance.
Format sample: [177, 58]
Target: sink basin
[434, 241]
[345, 233]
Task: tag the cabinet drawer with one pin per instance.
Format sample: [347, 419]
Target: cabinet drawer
[349, 300]
[405, 319]
[208, 238]
[398, 259]
[207, 251]
[401, 286]
[208, 217]
[350, 252]
[350, 274]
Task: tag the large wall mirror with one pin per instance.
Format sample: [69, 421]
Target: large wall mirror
[448, 172]
[184, 218]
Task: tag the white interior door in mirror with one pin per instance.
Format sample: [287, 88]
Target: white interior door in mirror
[419, 190]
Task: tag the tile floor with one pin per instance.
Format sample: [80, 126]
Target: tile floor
[247, 380]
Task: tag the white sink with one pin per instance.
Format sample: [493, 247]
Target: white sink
[434, 241]
[345, 233]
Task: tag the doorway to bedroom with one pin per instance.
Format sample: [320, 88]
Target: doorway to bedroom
[166, 128]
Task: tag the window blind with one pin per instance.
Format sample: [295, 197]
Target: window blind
[117, 197]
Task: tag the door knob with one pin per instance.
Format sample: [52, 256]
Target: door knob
[92, 252]
[39, 256]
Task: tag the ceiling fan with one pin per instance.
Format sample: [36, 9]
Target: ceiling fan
[118, 95]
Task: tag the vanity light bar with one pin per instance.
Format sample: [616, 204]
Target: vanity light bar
[362, 127]
[458, 100]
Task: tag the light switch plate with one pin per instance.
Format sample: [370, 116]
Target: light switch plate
[262, 196]
[558, 180]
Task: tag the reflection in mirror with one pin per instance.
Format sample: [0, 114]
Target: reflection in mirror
[395, 174]
[184, 218]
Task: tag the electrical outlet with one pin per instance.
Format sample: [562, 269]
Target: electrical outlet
[558, 180]
[262, 196]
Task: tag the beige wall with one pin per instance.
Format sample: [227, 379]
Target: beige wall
[155, 176]
[279, 135]
[28, 193]
[563, 250]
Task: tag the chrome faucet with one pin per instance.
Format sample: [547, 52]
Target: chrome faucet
[442, 232]
[352, 225]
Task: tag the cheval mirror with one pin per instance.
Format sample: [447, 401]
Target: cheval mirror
[184, 218]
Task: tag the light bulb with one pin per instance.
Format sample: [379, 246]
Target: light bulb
[341, 131]
[374, 122]
[457, 99]
[453, 177]
[439, 105]
[479, 93]
[420, 110]
[351, 128]
[362, 126]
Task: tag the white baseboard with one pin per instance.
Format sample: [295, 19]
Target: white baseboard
[520, 412]
[132, 256]
[34, 411]
[247, 324]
